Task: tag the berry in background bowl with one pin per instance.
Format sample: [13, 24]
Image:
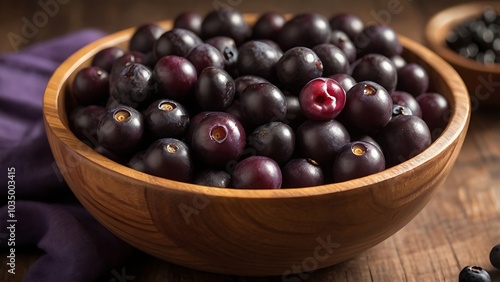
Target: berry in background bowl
[467, 36]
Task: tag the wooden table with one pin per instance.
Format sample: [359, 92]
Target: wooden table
[458, 227]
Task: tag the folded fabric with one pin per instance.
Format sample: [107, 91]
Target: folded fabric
[76, 246]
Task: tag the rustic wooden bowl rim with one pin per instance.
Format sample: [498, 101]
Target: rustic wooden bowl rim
[55, 90]
[444, 21]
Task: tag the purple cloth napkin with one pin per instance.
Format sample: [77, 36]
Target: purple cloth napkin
[76, 246]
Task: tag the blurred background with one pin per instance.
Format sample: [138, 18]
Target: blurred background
[24, 22]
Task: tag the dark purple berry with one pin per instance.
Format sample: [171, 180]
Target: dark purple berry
[259, 59]
[121, 129]
[218, 139]
[135, 86]
[169, 158]
[473, 274]
[177, 41]
[379, 39]
[268, 26]
[357, 159]
[214, 90]
[351, 24]
[298, 173]
[321, 140]
[376, 68]
[412, 78]
[144, 37]
[275, 140]
[137, 162]
[166, 118]
[495, 256]
[344, 43]
[257, 172]
[205, 55]
[190, 21]
[406, 99]
[243, 81]
[84, 121]
[175, 78]
[105, 58]
[227, 47]
[297, 67]
[263, 103]
[333, 59]
[213, 178]
[306, 29]
[435, 112]
[91, 86]
[368, 106]
[404, 137]
[225, 21]
[345, 80]
[130, 57]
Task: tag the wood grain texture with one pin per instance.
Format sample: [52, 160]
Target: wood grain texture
[457, 227]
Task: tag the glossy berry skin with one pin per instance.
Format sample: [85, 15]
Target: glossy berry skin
[257, 172]
[227, 47]
[322, 99]
[333, 59]
[435, 112]
[345, 80]
[321, 140]
[294, 114]
[91, 86]
[275, 140]
[298, 173]
[177, 41]
[84, 121]
[134, 87]
[213, 178]
[130, 57]
[263, 103]
[349, 23]
[258, 58]
[297, 67]
[241, 82]
[495, 256]
[379, 39]
[166, 118]
[121, 129]
[368, 106]
[357, 159]
[105, 58]
[412, 78]
[404, 137]
[144, 37]
[190, 21]
[473, 274]
[169, 158]
[175, 78]
[406, 99]
[398, 61]
[214, 90]
[225, 21]
[344, 43]
[205, 55]
[218, 139]
[268, 26]
[376, 68]
[137, 161]
[306, 29]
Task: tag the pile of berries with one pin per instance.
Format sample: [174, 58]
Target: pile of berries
[282, 103]
[477, 38]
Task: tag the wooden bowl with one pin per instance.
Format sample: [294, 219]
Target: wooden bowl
[252, 232]
[482, 80]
